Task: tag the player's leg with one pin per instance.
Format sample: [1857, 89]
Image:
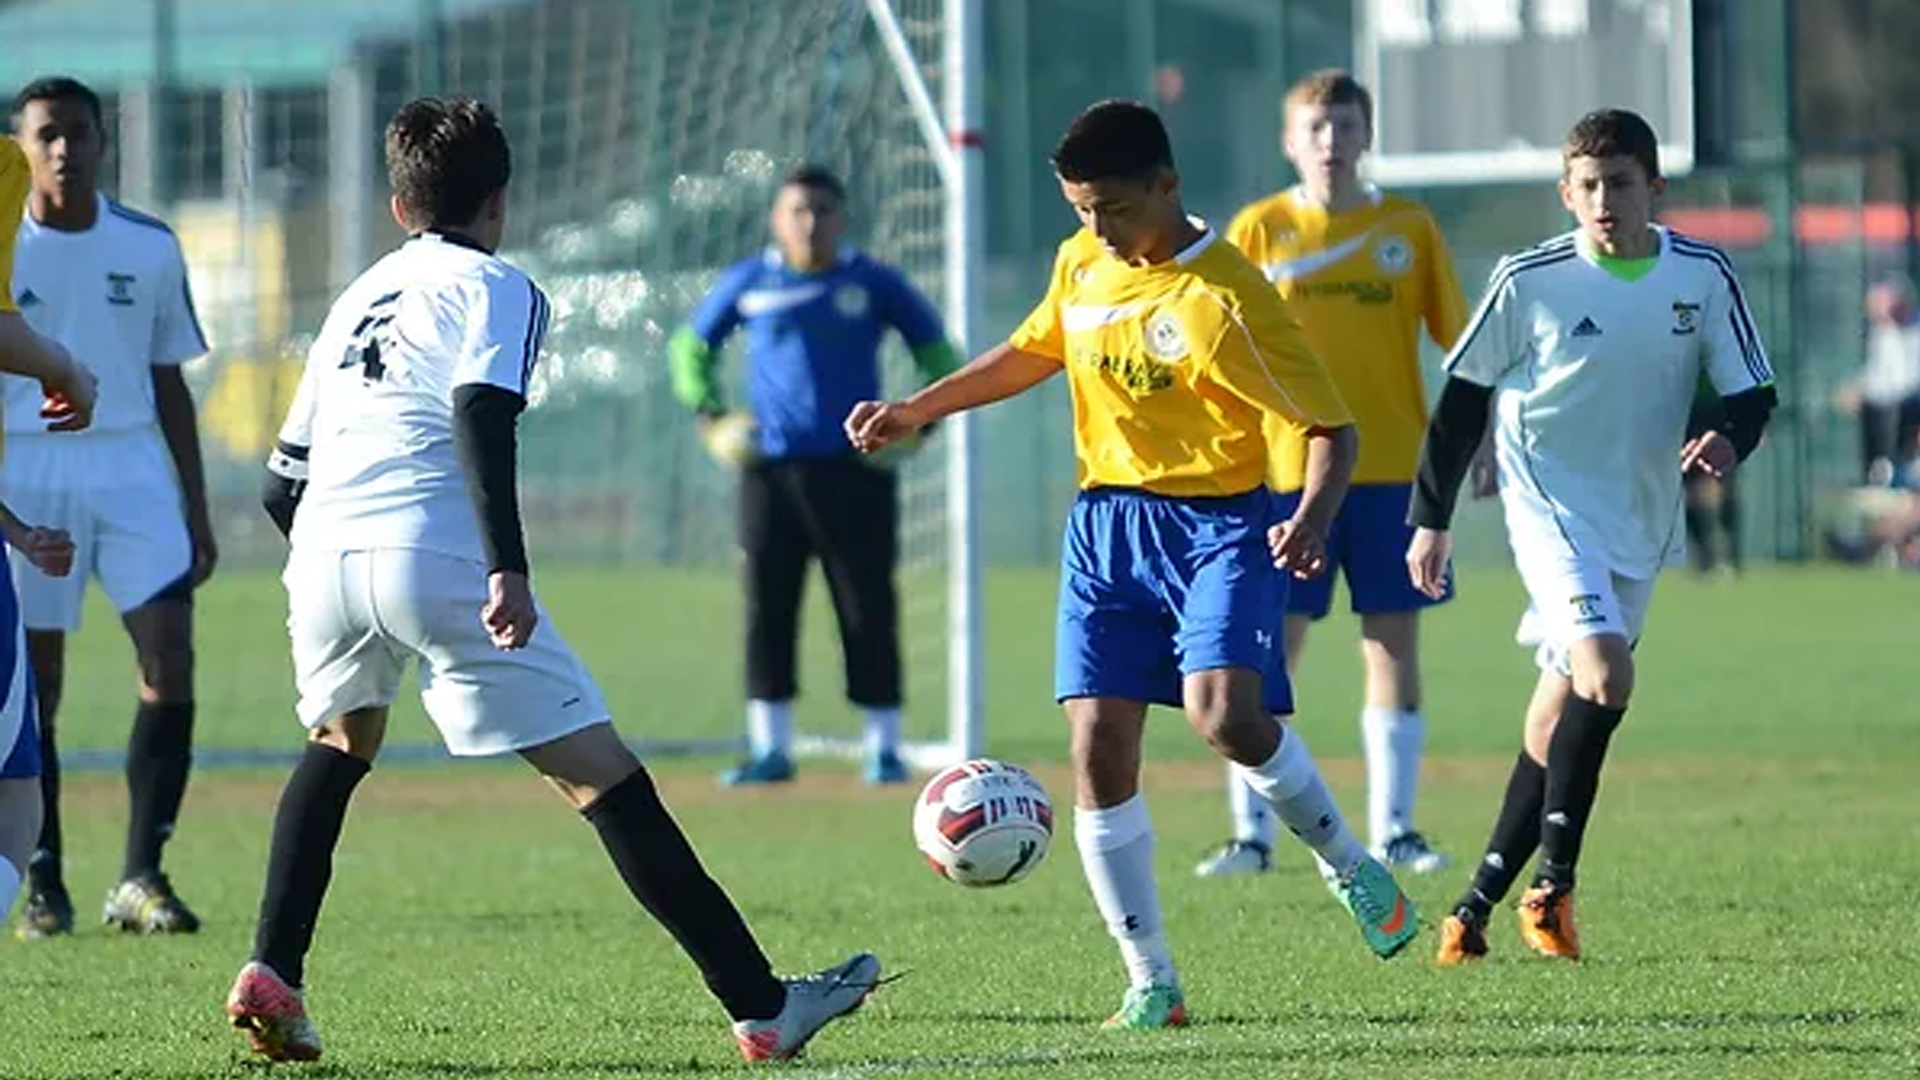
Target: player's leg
[1728, 487]
[159, 760]
[144, 559]
[1516, 830]
[777, 550]
[49, 907]
[853, 510]
[1700, 514]
[1111, 657]
[20, 793]
[347, 672]
[1224, 596]
[1251, 847]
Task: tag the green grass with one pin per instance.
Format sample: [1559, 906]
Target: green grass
[1744, 887]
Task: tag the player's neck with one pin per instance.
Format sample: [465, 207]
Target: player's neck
[1643, 244]
[74, 215]
[808, 262]
[1180, 235]
[1336, 197]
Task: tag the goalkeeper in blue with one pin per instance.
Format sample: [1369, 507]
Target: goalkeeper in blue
[816, 313]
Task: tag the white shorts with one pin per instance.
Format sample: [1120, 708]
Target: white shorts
[118, 495]
[357, 617]
[1572, 598]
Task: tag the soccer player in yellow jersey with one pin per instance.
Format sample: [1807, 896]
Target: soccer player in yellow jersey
[1365, 272]
[1181, 361]
[69, 406]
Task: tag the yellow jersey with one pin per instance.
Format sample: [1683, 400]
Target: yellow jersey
[1178, 370]
[1362, 283]
[14, 181]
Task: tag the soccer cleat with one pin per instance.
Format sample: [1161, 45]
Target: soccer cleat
[1462, 941]
[48, 911]
[147, 905]
[769, 768]
[886, 767]
[1234, 858]
[1546, 922]
[1149, 1008]
[812, 1002]
[1410, 851]
[1386, 916]
[273, 1014]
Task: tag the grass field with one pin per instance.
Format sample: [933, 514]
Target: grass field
[1755, 847]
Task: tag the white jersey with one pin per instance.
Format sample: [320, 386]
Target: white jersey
[1593, 378]
[373, 417]
[116, 296]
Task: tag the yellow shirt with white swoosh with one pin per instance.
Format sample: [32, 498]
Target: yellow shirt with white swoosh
[14, 181]
[1362, 283]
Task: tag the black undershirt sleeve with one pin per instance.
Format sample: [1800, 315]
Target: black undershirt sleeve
[1453, 435]
[1747, 414]
[484, 419]
[285, 482]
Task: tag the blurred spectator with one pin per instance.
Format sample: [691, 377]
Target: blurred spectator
[1886, 393]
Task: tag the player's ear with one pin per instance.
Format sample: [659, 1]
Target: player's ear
[1166, 182]
[1657, 185]
[496, 206]
[399, 214]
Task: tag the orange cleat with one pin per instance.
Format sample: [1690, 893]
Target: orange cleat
[1461, 942]
[1546, 922]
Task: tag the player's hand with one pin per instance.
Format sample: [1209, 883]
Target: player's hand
[70, 394]
[875, 424]
[509, 615]
[50, 551]
[206, 552]
[1430, 561]
[1483, 475]
[1711, 454]
[1297, 546]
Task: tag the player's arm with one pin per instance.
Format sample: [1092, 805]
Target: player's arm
[287, 470]
[178, 339]
[919, 325]
[1736, 363]
[693, 356]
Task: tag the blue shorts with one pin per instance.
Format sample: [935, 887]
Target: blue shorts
[1368, 547]
[1154, 588]
[21, 759]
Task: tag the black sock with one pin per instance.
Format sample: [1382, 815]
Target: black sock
[1729, 524]
[159, 756]
[1515, 834]
[1574, 757]
[44, 868]
[306, 828]
[663, 873]
[1700, 536]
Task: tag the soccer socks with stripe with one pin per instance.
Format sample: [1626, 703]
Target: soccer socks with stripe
[882, 729]
[769, 727]
[663, 873]
[1253, 819]
[159, 758]
[1291, 784]
[1393, 739]
[1516, 832]
[306, 829]
[1116, 850]
[1574, 756]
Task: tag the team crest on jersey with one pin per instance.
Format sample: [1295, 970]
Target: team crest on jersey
[851, 301]
[1166, 338]
[120, 289]
[1686, 317]
[1393, 254]
[1586, 610]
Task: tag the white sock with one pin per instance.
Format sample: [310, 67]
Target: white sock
[9, 886]
[1393, 739]
[1252, 817]
[1291, 783]
[1116, 850]
[770, 727]
[883, 729]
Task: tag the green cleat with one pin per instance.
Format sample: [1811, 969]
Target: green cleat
[1386, 916]
[1149, 1008]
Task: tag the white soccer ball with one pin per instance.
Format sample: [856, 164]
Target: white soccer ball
[983, 823]
[733, 439]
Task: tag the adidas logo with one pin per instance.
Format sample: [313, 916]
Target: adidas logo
[1586, 328]
[27, 299]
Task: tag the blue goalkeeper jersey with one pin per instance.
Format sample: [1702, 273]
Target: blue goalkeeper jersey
[813, 342]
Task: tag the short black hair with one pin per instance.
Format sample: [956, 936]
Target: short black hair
[1113, 140]
[1605, 133]
[58, 88]
[445, 158]
[816, 178]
